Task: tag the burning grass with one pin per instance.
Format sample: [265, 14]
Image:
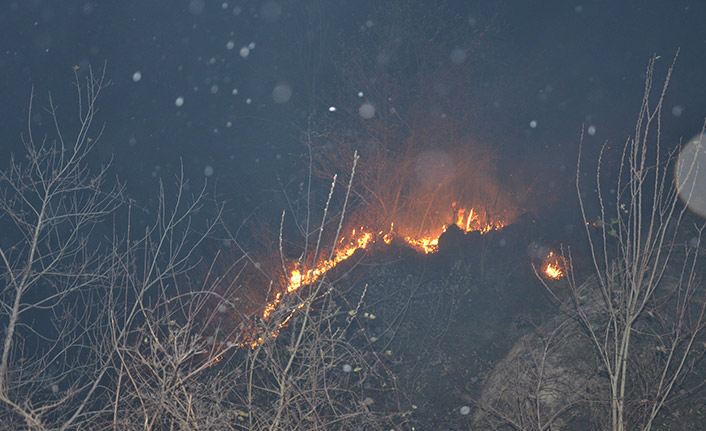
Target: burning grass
[299, 274]
[554, 266]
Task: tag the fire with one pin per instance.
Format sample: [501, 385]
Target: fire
[297, 279]
[553, 266]
[361, 238]
[467, 220]
[473, 222]
[553, 271]
[427, 244]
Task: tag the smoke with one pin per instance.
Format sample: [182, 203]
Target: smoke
[434, 169]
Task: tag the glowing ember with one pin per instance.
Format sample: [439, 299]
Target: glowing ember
[429, 245]
[553, 267]
[387, 237]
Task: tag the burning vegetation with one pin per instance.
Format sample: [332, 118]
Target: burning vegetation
[360, 237]
[553, 266]
[423, 166]
[411, 196]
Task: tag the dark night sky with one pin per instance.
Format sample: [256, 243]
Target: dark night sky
[554, 65]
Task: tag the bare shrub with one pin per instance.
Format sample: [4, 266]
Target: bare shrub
[167, 335]
[108, 328]
[100, 330]
[643, 309]
[53, 279]
[308, 365]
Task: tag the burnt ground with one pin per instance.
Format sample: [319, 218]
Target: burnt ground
[443, 321]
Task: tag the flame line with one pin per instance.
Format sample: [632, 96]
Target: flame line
[360, 238]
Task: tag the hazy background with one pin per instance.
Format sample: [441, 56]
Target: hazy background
[227, 87]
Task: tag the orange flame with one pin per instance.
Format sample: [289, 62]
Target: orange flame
[296, 279]
[553, 267]
[427, 244]
[361, 238]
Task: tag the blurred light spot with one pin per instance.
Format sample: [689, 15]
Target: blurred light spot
[591, 130]
[179, 101]
[244, 52]
[230, 45]
[331, 109]
[458, 55]
[136, 76]
[690, 175]
[533, 124]
[366, 110]
[677, 110]
[208, 170]
[281, 93]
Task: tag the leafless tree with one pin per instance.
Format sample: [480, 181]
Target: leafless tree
[53, 272]
[168, 334]
[107, 328]
[98, 328]
[644, 307]
[308, 366]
